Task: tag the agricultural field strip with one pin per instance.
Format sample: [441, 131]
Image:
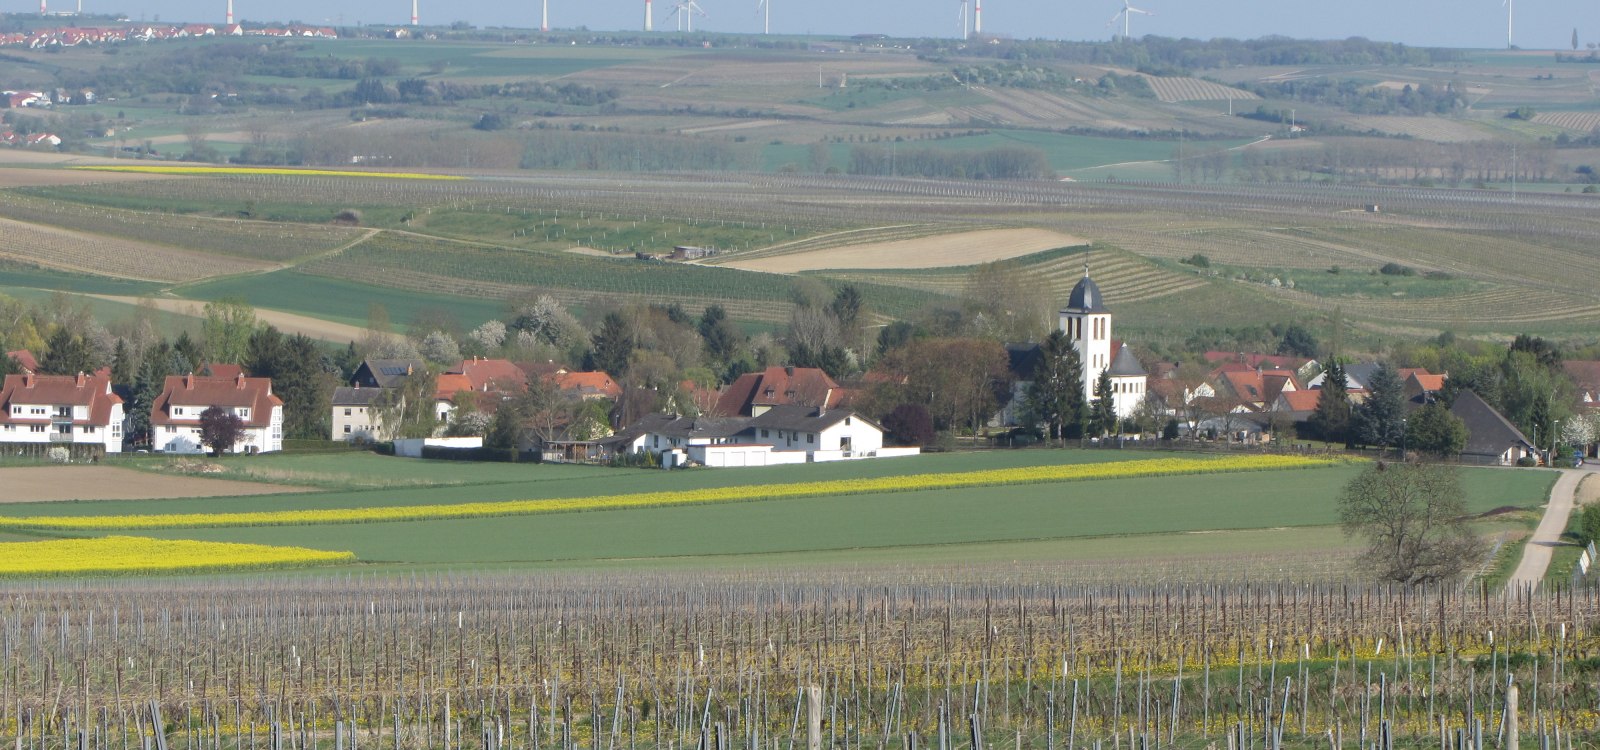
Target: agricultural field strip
[121, 555]
[76, 252]
[265, 171]
[912, 483]
[1120, 276]
[263, 241]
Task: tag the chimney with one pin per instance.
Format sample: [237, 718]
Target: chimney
[238, 381]
[27, 380]
[826, 398]
[81, 379]
[789, 370]
[188, 382]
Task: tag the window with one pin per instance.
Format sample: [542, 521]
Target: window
[763, 432]
[177, 411]
[347, 427]
[811, 437]
[347, 412]
[89, 429]
[36, 410]
[847, 420]
[36, 428]
[10, 427]
[171, 429]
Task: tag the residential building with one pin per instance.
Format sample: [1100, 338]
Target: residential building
[1491, 438]
[1252, 387]
[781, 434]
[175, 415]
[385, 373]
[755, 392]
[61, 409]
[357, 414]
[1304, 368]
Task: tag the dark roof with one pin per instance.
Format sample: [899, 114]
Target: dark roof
[673, 425]
[385, 373]
[1025, 359]
[1488, 432]
[1086, 297]
[343, 396]
[801, 418]
[1359, 376]
[1125, 364]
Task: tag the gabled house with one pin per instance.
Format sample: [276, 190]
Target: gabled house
[25, 360]
[755, 392]
[175, 415]
[61, 410]
[1303, 367]
[781, 434]
[1491, 438]
[1254, 388]
[587, 386]
[385, 373]
[1421, 387]
[357, 407]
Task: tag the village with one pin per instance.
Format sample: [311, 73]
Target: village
[491, 408]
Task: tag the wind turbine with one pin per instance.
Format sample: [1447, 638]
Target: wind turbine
[1509, 8]
[1125, 14]
[977, 17]
[685, 10]
[413, 12]
[230, 12]
[964, 33]
[544, 18]
[649, 17]
[765, 6]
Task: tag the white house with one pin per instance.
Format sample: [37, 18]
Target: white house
[61, 410]
[175, 416]
[783, 434]
[356, 414]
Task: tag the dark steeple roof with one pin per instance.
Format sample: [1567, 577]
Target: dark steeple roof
[1126, 365]
[1086, 296]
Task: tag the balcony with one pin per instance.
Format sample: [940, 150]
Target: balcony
[60, 437]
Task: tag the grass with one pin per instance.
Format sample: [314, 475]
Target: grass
[1127, 519]
[14, 274]
[340, 300]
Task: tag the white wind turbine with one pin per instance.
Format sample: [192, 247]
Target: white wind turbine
[765, 6]
[649, 17]
[1125, 14]
[685, 11]
[1509, 8]
[964, 28]
[544, 17]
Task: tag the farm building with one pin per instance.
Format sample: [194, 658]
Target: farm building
[175, 415]
[61, 410]
[781, 434]
[1491, 438]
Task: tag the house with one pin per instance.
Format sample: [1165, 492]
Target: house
[357, 414]
[1254, 388]
[61, 410]
[1303, 367]
[492, 375]
[1491, 438]
[175, 415]
[1421, 387]
[781, 434]
[1296, 402]
[445, 390]
[385, 373]
[754, 392]
[25, 360]
[587, 386]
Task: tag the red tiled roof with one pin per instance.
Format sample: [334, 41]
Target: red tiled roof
[197, 391]
[1585, 373]
[449, 384]
[492, 374]
[779, 385]
[1300, 400]
[93, 391]
[1258, 386]
[24, 358]
[588, 382]
[1428, 381]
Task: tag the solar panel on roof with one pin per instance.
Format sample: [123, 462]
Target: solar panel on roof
[391, 370]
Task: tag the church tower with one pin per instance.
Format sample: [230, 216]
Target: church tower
[1087, 324]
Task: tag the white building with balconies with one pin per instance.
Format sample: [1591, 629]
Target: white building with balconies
[63, 410]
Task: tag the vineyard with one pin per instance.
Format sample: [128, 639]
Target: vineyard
[1583, 122]
[1028, 658]
[1195, 90]
[65, 250]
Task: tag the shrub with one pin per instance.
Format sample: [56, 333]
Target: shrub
[1197, 260]
[1589, 524]
[1395, 269]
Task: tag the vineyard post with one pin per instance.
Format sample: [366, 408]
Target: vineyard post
[813, 717]
[1511, 717]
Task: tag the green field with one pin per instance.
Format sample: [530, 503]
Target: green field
[1108, 519]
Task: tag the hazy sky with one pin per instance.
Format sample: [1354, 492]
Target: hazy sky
[1539, 24]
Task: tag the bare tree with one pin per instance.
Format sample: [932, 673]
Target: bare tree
[1414, 519]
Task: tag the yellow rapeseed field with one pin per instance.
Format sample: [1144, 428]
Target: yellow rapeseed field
[246, 171]
[130, 554]
[911, 483]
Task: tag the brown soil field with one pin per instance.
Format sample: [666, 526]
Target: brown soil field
[287, 322]
[13, 177]
[113, 256]
[963, 249]
[28, 484]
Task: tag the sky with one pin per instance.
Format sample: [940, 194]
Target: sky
[1538, 24]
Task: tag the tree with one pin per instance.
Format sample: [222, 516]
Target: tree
[68, 354]
[227, 327]
[955, 378]
[440, 347]
[299, 376]
[722, 338]
[1055, 397]
[1298, 341]
[1413, 517]
[122, 364]
[1331, 419]
[220, 429]
[1589, 523]
[1434, 430]
[1103, 409]
[909, 424]
[613, 346]
[1380, 419]
[408, 410]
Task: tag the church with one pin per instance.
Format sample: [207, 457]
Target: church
[1086, 321]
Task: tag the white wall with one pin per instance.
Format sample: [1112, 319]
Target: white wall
[412, 447]
[362, 422]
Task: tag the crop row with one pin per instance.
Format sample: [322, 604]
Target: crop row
[110, 256]
[910, 483]
[1121, 276]
[256, 240]
[117, 555]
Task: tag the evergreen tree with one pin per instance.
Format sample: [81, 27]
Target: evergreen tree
[613, 346]
[9, 366]
[122, 364]
[189, 350]
[1331, 419]
[68, 354]
[1434, 430]
[1055, 397]
[298, 377]
[1380, 420]
[721, 337]
[1103, 410]
[148, 382]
